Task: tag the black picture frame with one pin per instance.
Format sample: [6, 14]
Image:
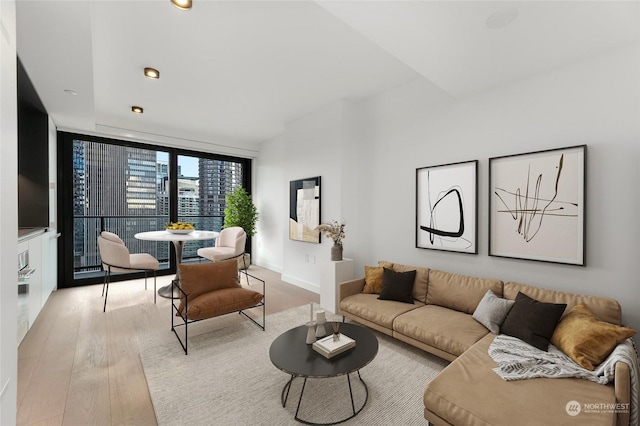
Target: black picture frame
[537, 205]
[447, 207]
[304, 209]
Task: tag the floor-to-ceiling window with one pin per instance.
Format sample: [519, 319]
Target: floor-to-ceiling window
[128, 188]
[202, 187]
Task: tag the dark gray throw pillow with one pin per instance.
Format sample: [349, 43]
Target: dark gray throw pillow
[397, 286]
[533, 321]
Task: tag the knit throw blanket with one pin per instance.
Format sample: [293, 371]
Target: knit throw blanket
[518, 360]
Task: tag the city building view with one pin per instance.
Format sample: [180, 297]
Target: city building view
[126, 190]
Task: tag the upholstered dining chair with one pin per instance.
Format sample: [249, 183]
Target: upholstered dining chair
[115, 257]
[229, 245]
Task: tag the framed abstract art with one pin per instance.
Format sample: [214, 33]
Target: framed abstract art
[447, 207]
[537, 205]
[304, 209]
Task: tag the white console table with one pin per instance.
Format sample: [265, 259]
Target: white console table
[332, 273]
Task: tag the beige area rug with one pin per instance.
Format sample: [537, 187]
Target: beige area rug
[228, 379]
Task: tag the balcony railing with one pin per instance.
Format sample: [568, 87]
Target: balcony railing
[87, 229]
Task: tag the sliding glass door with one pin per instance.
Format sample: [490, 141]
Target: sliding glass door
[202, 185]
[127, 188]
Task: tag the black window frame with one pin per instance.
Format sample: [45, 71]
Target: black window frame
[66, 278]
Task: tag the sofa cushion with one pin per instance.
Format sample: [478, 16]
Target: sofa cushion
[587, 340]
[200, 278]
[604, 308]
[468, 392]
[492, 310]
[421, 283]
[221, 302]
[450, 331]
[459, 292]
[533, 321]
[370, 308]
[397, 286]
[373, 277]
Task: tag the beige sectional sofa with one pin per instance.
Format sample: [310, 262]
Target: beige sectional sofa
[467, 391]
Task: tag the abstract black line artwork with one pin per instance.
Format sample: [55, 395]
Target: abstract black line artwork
[446, 207]
[537, 205]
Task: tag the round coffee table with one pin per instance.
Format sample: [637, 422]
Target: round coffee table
[290, 353]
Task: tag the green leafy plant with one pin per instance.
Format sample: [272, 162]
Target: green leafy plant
[240, 211]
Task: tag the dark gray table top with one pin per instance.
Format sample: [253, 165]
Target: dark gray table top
[290, 353]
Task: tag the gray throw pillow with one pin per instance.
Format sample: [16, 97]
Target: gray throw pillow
[492, 310]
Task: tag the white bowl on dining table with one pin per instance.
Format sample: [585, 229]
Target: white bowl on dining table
[180, 231]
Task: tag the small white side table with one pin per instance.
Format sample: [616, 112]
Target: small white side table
[332, 273]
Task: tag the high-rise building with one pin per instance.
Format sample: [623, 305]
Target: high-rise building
[217, 179]
[115, 187]
[126, 190]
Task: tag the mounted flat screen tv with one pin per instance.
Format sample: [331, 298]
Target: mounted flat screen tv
[33, 155]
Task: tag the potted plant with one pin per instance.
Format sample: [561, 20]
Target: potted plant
[240, 211]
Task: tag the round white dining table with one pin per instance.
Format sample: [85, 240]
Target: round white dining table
[178, 241]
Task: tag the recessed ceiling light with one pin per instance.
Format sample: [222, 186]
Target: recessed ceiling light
[182, 4]
[502, 18]
[70, 92]
[137, 109]
[151, 73]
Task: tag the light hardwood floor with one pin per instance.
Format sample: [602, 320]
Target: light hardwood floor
[79, 366]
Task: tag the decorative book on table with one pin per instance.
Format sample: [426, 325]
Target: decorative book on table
[329, 348]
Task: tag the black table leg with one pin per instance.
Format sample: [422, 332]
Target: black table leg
[287, 387]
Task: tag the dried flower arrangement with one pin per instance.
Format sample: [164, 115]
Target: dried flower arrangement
[333, 230]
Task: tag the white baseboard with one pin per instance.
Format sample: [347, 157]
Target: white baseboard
[301, 283]
[270, 266]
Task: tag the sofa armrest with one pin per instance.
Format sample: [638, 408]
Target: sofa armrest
[349, 288]
[622, 386]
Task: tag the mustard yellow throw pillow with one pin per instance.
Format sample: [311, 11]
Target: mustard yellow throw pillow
[587, 340]
[373, 277]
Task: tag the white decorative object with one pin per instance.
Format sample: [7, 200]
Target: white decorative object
[321, 320]
[331, 275]
[311, 332]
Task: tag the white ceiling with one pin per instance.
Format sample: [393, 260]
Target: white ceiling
[235, 72]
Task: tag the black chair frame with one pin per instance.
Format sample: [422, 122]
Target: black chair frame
[186, 321]
[107, 278]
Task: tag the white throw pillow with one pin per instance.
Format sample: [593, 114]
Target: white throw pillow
[492, 310]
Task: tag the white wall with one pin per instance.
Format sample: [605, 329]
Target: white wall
[312, 148]
[53, 178]
[595, 102]
[8, 213]
[270, 228]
